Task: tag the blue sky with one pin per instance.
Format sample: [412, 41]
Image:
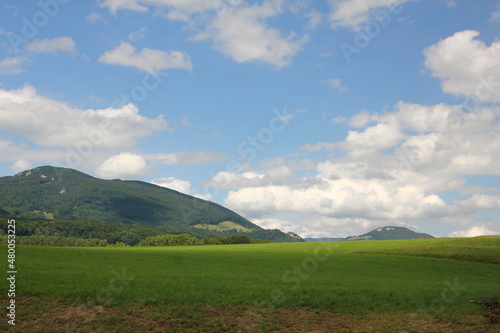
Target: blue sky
[326, 118]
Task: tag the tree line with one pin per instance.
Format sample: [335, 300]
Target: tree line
[160, 240]
[186, 239]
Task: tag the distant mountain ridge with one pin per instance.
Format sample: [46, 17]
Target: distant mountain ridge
[66, 194]
[390, 233]
[382, 233]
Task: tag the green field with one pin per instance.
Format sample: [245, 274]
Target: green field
[222, 226]
[428, 277]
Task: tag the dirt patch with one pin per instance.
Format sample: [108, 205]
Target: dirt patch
[48, 314]
[491, 308]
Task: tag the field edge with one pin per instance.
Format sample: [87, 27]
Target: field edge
[56, 314]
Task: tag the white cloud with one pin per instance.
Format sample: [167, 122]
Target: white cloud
[466, 66]
[231, 180]
[361, 119]
[185, 122]
[283, 225]
[337, 85]
[14, 65]
[94, 17]
[242, 34]
[379, 136]
[393, 170]
[315, 18]
[20, 165]
[237, 29]
[179, 185]
[50, 123]
[123, 166]
[20, 154]
[360, 198]
[353, 13]
[482, 202]
[477, 230]
[495, 17]
[178, 9]
[146, 60]
[115, 5]
[186, 158]
[318, 146]
[55, 45]
[137, 35]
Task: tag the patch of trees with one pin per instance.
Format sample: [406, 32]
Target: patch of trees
[111, 232]
[186, 239]
[56, 241]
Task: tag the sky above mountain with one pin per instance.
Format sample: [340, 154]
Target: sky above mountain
[326, 118]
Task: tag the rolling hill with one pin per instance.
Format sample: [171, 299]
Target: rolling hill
[390, 233]
[64, 194]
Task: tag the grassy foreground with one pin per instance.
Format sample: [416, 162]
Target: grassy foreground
[386, 279]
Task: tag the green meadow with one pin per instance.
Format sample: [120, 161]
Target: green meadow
[431, 277]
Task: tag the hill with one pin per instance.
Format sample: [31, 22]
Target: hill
[64, 194]
[390, 233]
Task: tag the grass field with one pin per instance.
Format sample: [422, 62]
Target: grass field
[424, 279]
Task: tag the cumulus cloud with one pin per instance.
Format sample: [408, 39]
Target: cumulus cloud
[51, 123]
[21, 155]
[123, 166]
[353, 13]
[179, 185]
[393, 170]
[283, 225]
[231, 180]
[237, 29]
[14, 65]
[466, 66]
[187, 158]
[371, 199]
[242, 34]
[55, 45]
[477, 230]
[146, 60]
[481, 201]
[361, 119]
[20, 165]
[380, 136]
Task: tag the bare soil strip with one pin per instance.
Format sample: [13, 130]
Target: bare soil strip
[45, 314]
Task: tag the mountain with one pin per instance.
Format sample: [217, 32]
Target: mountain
[382, 233]
[390, 233]
[65, 194]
